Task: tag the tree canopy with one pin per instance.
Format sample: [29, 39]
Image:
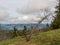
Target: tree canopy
[56, 22]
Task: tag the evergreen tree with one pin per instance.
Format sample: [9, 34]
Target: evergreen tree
[24, 30]
[25, 34]
[15, 32]
[56, 22]
[0, 27]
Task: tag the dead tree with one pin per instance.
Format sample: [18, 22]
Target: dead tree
[46, 14]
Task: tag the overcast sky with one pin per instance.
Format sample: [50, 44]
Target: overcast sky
[23, 11]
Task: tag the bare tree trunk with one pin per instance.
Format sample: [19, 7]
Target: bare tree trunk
[46, 14]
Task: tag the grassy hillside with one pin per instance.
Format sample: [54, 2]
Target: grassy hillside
[44, 38]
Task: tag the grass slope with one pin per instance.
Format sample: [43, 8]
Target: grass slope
[44, 38]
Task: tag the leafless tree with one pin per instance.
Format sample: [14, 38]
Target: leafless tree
[46, 14]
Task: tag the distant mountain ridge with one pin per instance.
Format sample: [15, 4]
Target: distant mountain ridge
[10, 26]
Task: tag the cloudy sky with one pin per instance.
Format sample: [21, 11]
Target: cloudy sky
[23, 11]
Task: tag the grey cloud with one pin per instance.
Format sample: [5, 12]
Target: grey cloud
[19, 19]
[28, 7]
[35, 5]
[3, 14]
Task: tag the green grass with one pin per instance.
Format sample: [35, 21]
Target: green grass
[48, 38]
[43, 38]
[9, 41]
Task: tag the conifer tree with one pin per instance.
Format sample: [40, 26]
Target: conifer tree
[56, 22]
[15, 32]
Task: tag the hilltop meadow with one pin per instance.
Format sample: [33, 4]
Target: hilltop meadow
[42, 38]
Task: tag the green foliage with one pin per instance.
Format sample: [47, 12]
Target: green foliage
[47, 38]
[56, 23]
[10, 41]
[26, 34]
[15, 32]
[44, 38]
[48, 26]
[25, 30]
[20, 33]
